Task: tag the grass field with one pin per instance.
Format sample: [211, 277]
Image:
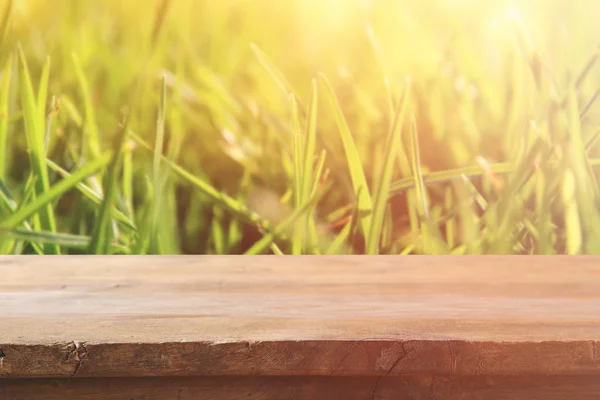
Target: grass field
[299, 127]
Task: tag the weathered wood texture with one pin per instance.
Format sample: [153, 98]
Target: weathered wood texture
[306, 388]
[299, 322]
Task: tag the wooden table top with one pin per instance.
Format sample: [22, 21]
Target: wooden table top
[101, 316]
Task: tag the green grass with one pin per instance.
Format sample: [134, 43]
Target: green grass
[200, 127]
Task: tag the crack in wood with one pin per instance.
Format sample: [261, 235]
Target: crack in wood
[350, 351]
[249, 347]
[80, 352]
[375, 387]
[402, 356]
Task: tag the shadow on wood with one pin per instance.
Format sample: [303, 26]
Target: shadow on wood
[305, 388]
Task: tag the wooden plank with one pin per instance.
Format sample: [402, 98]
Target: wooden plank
[305, 388]
[132, 316]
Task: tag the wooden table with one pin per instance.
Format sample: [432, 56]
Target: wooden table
[268, 327]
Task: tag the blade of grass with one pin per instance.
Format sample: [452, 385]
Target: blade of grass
[28, 196]
[223, 200]
[5, 25]
[450, 223]
[589, 105]
[4, 97]
[354, 225]
[527, 47]
[287, 88]
[421, 192]
[7, 199]
[275, 73]
[219, 94]
[304, 149]
[433, 241]
[504, 210]
[159, 19]
[260, 246]
[477, 197]
[408, 250]
[469, 227]
[384, 68]
[102, 234]
[586, 70]
[308, 175]
[381, 196]
[573, 232]
[71, 110]
[297, 238]
[34, 129]
[359, 182]
[9, 206]
[65, 240]
[340, 240]
[381, 60]
[449, 175]
[93, 196]
[51, 115]
[217, 236]
[90, 124]
[127, 180]
[28, 191]
[543, 218]
[588, 190]
[55, 192]
[321, 174]
[387, 233]
[235, 232]
[158, 177]
[42, 95]
[591, 140]
[319, 180]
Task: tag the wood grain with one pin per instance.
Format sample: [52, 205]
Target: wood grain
[130, 316]
[305, 388]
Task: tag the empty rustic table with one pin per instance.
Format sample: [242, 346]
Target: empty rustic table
[269, 327]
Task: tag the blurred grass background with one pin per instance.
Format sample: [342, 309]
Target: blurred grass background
[299, 127]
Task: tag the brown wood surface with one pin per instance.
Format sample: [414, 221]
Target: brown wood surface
[306, 388]
[129, 316]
